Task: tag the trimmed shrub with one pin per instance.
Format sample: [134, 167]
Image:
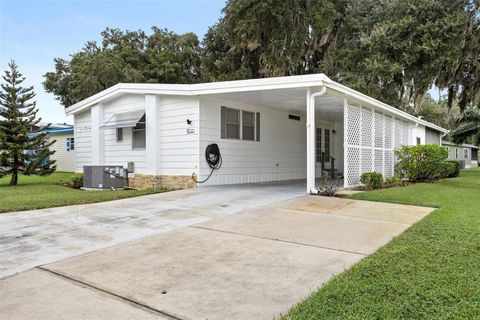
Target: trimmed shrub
[449, 169]
[371, 180]
[77, 181]
[420, 163]
[458, 167]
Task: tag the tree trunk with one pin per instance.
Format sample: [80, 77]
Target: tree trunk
[14, 180]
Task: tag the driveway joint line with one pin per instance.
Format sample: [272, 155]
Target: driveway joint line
[279, 240]
[133, 302]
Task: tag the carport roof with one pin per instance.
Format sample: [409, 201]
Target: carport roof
[276, 83]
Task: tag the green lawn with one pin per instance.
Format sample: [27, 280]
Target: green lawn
[35, 192]
[431, 271]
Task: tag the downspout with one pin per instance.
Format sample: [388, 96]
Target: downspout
[441, 138]
[311, 139]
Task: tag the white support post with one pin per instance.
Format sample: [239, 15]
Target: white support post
[152, 135]
[98, 136]
[310, 142]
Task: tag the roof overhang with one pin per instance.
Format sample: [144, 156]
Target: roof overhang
[276, 83]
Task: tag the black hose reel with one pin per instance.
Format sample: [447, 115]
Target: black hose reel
[214, 160]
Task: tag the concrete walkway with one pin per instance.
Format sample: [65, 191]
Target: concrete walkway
[36, 237]
[251, 265]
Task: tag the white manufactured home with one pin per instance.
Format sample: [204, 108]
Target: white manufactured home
[273, 129]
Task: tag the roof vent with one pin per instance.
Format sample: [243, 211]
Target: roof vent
[294, 117]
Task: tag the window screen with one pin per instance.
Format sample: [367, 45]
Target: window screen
[465, 153]
[139, 134]
[232, 123]
[119, 134]
[419, 142]
[248, 125]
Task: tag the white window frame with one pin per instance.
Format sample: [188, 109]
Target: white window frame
[456, 153]
[256, 116]
[465, 153]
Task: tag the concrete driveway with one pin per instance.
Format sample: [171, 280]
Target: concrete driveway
[251, 265]
[36, 237]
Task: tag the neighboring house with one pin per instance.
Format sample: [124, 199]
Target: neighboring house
[64, 145]
[267, 130]
[466, 153]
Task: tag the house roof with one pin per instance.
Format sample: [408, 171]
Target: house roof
[465, 145]
[55, 128]
[276, 83]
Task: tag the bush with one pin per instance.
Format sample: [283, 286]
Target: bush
[420, 163]
[458, 167]
[449, 169]
[77, 181]
[371, 180]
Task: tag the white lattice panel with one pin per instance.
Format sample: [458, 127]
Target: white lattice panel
[378, 130]
[388, 132]
[388, 163]
[405, 133]
[353, 123]
[366, 128]
[366, 165]
[378, 161]
[371, 137]
[352, 177]
[398, 133]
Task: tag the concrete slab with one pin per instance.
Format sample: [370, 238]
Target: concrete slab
[210, 275]
[331, 231]
[32, 238]
[36, 294]
[381, 211]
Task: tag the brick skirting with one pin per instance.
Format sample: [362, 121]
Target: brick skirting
[141, 181]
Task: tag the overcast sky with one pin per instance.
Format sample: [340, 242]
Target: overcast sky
[34, 32]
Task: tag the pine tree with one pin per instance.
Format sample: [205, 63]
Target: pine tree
[23, 146]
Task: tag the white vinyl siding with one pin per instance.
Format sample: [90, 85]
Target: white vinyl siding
[83, 140]
[179, 140]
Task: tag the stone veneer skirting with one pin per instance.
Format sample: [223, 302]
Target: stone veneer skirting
[141, 181]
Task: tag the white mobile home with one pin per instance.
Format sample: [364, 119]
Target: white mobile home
[273, 129]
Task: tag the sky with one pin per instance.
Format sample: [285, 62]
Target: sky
[33, 33]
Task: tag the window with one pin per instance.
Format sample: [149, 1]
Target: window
[70, 144]
[231, 123]
[456, 153]
[318, 144]
[327, 145]
[474, 154]
[248, 125]
[139, 134]
[419, 141]
[240, 124]
[119, 134]
[465, 153]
